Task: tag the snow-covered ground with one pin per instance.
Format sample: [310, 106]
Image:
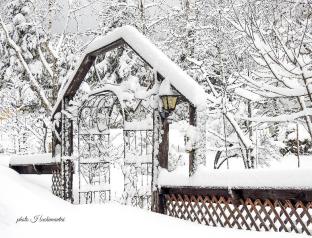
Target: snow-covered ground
[24, 198]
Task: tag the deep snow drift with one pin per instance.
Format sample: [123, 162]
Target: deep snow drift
[21, 197]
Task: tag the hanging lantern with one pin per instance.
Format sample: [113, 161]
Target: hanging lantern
[169, 102]
[168, 97]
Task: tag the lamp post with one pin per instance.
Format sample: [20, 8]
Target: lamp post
[169, 102]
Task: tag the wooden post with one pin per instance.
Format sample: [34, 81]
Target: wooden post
[67, 168]
[298, 146]
[67, 130]
[70, 133]
[70, 137]
[57, 130]
[55, 141]
[192, 121]
[161, 203]
[164, 145]
[69, 151]
[158, 204]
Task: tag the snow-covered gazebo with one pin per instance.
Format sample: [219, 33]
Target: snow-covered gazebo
[95, 112]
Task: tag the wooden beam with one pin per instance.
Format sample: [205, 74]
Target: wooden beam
[164, 145]
[55, 140]
[35, 169]
[69, 145]
[192, 122]
[80, 75]
[304, 195]
[109, 47]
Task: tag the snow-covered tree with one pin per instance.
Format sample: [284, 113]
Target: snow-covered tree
[35, 62]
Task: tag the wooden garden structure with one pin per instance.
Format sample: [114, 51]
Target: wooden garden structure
[104, 103]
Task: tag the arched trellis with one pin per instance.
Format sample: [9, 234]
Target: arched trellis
[100, 114]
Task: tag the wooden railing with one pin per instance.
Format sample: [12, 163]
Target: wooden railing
[277, 210]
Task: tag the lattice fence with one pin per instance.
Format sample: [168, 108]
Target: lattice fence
[62, 180]
[57, 183]
[244, 213]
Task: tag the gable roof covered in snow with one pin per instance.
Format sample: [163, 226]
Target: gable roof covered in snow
[181, 81]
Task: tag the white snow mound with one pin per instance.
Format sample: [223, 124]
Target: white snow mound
[19, 197]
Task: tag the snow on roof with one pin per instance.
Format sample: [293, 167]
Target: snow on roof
[180, 80]
[165, 88]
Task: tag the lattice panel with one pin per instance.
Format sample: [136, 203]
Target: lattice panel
[259, 215]
[62, 181]
[67, 173]
[57, 183]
